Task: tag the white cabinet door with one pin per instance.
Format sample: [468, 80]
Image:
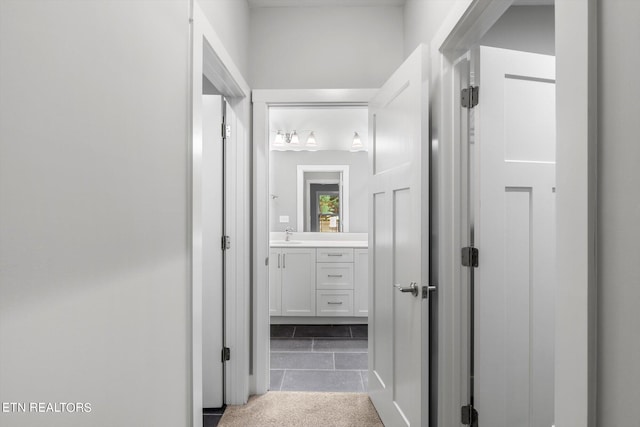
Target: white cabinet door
[361, 283]
[298, 282]
[275, 282]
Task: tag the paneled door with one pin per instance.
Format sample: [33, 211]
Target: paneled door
[398, 233]
[213, 258]
[514, 139]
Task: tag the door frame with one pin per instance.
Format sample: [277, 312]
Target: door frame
[576, 95]
[262, 100]
[209, 57]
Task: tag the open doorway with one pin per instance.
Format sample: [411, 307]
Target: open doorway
[310, 302]
[219, 313]
[318, 284]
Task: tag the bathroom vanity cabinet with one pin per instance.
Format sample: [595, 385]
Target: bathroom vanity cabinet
[318, 281]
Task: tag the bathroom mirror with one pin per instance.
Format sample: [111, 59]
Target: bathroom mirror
[323, 198]
[324, 146]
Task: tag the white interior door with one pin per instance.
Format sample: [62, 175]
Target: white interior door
[212, 266]
[514, 140]
[398, 233]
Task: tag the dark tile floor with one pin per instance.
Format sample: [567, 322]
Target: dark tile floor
[319, 358]
[211, 417]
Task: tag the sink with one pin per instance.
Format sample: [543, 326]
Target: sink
[284, 242]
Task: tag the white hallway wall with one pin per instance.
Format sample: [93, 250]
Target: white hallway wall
[324, 47]
[230, 21]
[423, 18]
[93, 210]
[94, 238]
[618, 213]
[525, 28]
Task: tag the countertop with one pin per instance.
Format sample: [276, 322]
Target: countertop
[319, 244]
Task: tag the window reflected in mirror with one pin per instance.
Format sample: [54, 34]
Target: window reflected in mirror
[325, 208]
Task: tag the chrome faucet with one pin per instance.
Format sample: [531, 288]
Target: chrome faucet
[288, 232]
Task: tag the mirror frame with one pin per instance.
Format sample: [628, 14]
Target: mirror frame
[344, 193]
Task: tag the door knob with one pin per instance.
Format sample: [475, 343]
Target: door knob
[413, 288]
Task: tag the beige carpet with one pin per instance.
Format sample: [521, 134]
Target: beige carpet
[303, 409]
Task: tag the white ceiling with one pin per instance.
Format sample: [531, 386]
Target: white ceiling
[320, 3]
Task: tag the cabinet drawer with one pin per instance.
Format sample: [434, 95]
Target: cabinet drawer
[335, 255]
[334, 303]
[334, 275]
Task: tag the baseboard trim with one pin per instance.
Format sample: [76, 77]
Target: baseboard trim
[278, 320]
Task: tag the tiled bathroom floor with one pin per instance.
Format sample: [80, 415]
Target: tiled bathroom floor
[319, 358]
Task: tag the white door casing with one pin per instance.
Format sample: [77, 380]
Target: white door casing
[210, 58]
[514, 138]
[398, 247]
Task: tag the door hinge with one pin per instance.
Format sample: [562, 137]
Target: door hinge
[226, 243]
[470, 256]
[226, 354]
[470, 97]
[469, 416]
[226, 131]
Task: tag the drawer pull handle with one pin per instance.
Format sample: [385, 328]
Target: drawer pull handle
[334, 254]
[334, 275]
[334, 302]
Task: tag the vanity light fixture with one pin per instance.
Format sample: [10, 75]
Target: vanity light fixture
[284, 138]
[356, 145]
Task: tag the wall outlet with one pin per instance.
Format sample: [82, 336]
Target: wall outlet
[284, 219]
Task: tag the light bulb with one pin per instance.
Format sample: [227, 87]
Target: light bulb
[357, 142]
[294, 138]
[279, 141]
[311, 141]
